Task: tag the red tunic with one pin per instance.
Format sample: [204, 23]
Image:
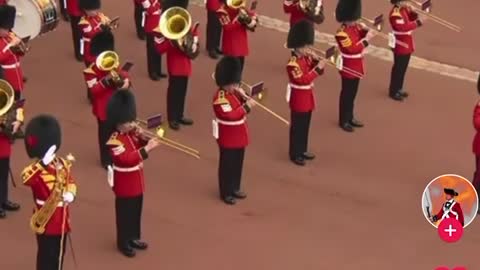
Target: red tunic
[90, 26]
[73, 8]
[403, 22]
[127, 157]
[152, 12]
[301, 74]
[476, 125]
[350, 40]
[101, 94]
[296, 13]
[178, 63]
[234, 36]
[10, 63]
[213, 5]
[41, 180]
[455, 212]
[5, 144]
[231, 117]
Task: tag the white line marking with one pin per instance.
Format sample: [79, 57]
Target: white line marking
[378, 52]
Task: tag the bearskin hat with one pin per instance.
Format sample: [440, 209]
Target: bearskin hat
[395, 1]
[166, 4]
[300, 34]
[89, 4]
[450, 191]
[41, 133]
[478, 84]
[103, 41]
[228, 71]
[7, 16]
[348, 10]
[121, 108]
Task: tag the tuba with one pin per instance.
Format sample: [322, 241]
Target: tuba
[8, 111]
[313, 9]
[42, 216]
[109, 61]
[175, 24]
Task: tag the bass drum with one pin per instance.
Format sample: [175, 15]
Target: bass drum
[35, 17]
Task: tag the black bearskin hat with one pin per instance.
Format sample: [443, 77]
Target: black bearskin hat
[89, 4]
[348, 10]
[41, 133]
[121, 108]
[450, 191]
[395, 1]
[478, 84]
[301, 34]
[166, 4]
[228, 71]
[7, 16]
[103, 41]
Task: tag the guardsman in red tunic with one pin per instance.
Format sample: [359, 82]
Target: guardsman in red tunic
[53, 187]
[75, 14]
[214, 28]
[102, 86]
[152, 11]
[403, 21]
[302, 70]
[235, 24]
[476, 143]
[129, 149]
[179, 66]
[10, 68]
[230, 127]
[90, 24]
[352, 38]
[451, 208]
[139, 16]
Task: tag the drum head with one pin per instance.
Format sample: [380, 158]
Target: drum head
[28, 21]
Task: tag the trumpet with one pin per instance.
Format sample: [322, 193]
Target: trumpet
[256, 90]
[425, 9]
[377, 26]
[333, 58]
[160, 134]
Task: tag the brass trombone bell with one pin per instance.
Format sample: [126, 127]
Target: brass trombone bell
[377, 22]
[108, 61]
[175, 23]
[155, 122]
[7, 97]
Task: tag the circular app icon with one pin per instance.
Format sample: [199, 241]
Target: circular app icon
[450, 196]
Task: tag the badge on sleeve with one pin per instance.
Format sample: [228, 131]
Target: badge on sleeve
[226, 107]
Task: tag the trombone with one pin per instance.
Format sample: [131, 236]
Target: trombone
[425, 9]
[334, 59]
[259, 95]
[377, 24]
[160, 134]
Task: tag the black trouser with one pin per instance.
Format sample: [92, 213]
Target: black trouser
[128, 213]
[63, 8]
[299, 129]
[214, 31]
[400, 65]
[17, 95]
[138, 15]
[154, 59]
[76, 36]
[476, 175]
[230, 170]
[4, 173]
[176, 93]
[48, 253]
[104, 133]
[347, 99]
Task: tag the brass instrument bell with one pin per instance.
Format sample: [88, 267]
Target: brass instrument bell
[175, 23]
[236, 4]
[7, 98]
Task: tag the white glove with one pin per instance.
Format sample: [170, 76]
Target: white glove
[50, 155]
[110, 176]
[68, 197]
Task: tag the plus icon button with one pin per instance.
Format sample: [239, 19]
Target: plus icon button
[450, 230]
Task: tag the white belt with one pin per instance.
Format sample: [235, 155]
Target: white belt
[352, 56]
[231, 123]
[11, 66]
[86, 39]
[40, 202]
[402, 33]
[130, 169]
[301, 87]
[156, 12]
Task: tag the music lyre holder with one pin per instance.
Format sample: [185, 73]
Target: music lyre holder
[427, 6]
[257, 90]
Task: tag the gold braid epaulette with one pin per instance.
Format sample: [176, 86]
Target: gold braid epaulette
[221, 99]
[30, 171]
